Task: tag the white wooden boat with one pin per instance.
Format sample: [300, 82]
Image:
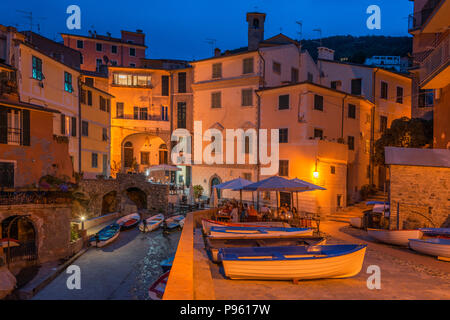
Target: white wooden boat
[356, 222]
[151, 223]
[433, 247]
[129, 221]
[207, 224]
[293, 263]
[257, 232]
[214, 245]
[397, 237]
[105, 236]
[174, 222]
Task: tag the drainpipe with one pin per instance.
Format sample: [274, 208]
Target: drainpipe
[79, 124]
[171, 94]
[343, 112]
[372, 129]
[258, 124]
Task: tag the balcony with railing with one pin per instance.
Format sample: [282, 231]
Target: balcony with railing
[418, 19]
[434, 71]
[8, 84]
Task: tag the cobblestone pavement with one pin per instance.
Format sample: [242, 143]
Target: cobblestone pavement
[123, 270]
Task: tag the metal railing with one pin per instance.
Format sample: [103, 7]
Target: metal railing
[14, 136]
[417, 19]
[148, 118]
[439, 57]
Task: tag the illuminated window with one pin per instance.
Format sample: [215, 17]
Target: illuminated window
[37, 68]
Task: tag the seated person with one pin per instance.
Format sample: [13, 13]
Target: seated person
[234, 215]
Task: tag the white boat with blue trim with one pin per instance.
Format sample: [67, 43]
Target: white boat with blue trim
[434, 247]
[152, 223]
[293, 263]
[257, 232]
[396, 237]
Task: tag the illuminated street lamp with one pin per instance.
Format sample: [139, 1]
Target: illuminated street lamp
[316, 173]
[82, 222]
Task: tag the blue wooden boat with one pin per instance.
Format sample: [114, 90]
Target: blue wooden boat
[436, 232]
[257, 232]
[105, 235]
[174, 222]
[167, 264]
[293, 262]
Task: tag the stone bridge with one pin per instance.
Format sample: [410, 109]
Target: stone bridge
[103, 196]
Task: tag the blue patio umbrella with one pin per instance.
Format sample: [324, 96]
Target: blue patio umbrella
[311, 187]
[276, 183]
[235, 185]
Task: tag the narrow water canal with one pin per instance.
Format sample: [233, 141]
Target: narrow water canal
[123, 270]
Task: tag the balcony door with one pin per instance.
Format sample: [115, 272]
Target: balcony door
[128, 155]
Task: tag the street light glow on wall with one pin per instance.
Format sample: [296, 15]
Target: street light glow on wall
[316, 173]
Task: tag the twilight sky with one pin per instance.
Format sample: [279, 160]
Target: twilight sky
[179, 29]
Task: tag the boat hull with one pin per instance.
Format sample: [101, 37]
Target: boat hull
[432, 247]
[102, 243]
[214, 245]
[156, 290]
[207, 224]
[159, 218]
[174, 222]
[128, 222]
[255, 232]
[356, 222]
[396, 237]
[342, 266]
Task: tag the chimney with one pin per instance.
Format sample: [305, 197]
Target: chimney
[255, 22]
[325, 53]
[217, 52]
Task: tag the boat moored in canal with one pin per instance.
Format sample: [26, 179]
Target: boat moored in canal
[174, 223]
[129, 221]
[152, 223]
[293, 262]
[396, 237]
[105, 236]
[156, 290]
[167, 263]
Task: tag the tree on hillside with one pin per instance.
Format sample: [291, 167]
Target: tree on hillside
[406, 133]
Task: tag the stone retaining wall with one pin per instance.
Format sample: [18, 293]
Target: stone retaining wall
[52, 226]
[422, 194]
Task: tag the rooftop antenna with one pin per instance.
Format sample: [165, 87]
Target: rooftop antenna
[29, 15]
[320, 35]
[212, 42]
[300, 32]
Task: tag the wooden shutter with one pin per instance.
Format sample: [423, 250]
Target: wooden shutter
[26, 127]
[3, 125]
[74, 127]
[63, 124]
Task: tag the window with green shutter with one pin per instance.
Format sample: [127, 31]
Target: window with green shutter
[37, 68]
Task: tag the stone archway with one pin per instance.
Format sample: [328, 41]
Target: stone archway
[137, 196]
[110, 202]
[21, 229]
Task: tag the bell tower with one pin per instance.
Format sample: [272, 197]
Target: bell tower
[255, 22]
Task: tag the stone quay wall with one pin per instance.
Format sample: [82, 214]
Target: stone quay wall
[422, 195]
[51, 223]
[156, 194]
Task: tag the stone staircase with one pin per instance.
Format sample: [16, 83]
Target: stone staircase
[355, 210]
